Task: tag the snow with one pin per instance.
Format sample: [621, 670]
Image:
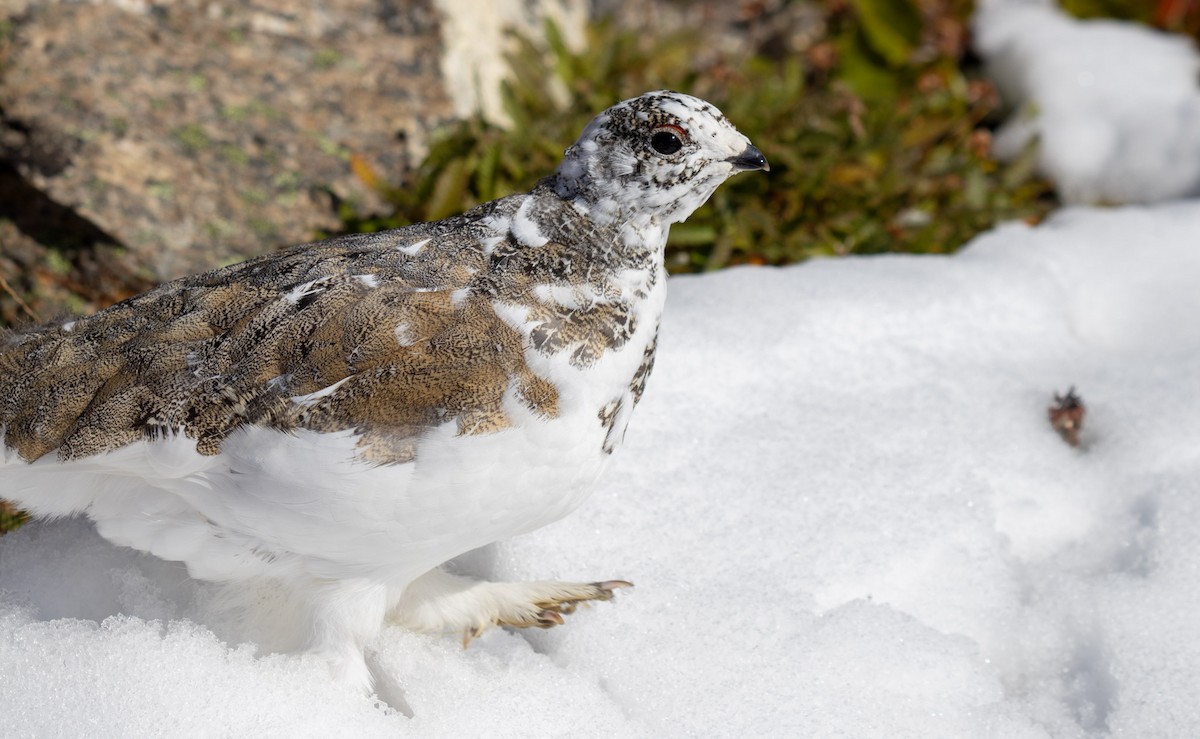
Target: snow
[842, 504]
[1115, 106]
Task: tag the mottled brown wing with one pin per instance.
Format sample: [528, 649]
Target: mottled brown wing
[405, 344]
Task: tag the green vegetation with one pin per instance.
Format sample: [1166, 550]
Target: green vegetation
[1130, 10]
[234, 155]
[192, 137]
[57, 263]
[264, 229]
[1176, 16]
[10, 517]
[874, 134]
[326, 59]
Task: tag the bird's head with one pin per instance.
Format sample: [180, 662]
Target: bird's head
[658, 156]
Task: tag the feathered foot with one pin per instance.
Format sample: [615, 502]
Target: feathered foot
[548, 612]
[439, 601]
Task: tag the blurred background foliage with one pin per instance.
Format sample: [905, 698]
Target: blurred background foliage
[1176, 16]
[876, 134]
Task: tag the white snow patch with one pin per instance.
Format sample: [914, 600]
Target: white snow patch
[1114, 106]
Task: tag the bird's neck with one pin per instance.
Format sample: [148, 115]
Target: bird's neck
[605, 217]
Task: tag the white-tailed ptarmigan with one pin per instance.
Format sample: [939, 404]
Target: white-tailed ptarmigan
[343, 417]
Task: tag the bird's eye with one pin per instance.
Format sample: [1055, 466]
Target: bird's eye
[667, 139]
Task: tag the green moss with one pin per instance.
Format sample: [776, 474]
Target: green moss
[254, 195]
[288, 181]
[239, 113]
[333, 148]
[234, 154]
[235, 113]
[57, 263]
[192, 137]
[219, 229]
[326, 59]
[161, 190]
[259, 108]
[76, 305]
[146, 236]
[264, 228]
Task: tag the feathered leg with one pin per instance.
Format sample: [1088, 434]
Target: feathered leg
[342, 617]
[439, 601]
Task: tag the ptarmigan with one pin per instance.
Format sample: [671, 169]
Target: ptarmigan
[343, 417]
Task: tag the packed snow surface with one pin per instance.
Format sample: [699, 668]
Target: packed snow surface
[841, 501]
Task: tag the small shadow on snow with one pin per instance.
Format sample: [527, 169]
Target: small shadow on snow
[387, 688]
[1135, 554]
[1091, 690]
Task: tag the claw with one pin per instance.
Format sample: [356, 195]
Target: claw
[472, 633]
[611, 585]
[549, 613]
[548, 618]
[608, 586]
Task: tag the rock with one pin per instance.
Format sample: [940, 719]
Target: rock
[198, 133]
[53, 262]
[472, 70]
[141, 140]
[772, 28]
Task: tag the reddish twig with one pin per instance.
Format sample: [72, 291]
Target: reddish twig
[20, 303]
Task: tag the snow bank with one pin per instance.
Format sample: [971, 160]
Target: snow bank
[843, 507]
[1115, 106]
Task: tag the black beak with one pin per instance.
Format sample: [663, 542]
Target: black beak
[749, 159]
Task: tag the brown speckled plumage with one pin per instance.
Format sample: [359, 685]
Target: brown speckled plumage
[210, 353]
